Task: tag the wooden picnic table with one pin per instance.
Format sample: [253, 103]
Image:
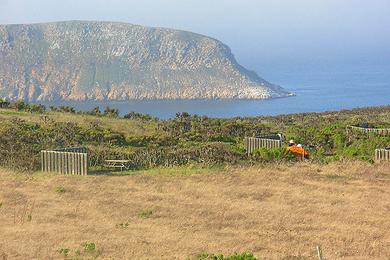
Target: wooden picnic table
[118, 164]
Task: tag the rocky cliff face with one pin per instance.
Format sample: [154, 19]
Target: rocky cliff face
[115, 61]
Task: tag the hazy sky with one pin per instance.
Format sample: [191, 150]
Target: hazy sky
[255, 29]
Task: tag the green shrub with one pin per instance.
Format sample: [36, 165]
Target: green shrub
[63, 109]
[139, 116]
[272, 155]
[4, 103]
[64, 251]
[33, 108]
[60, 189]
[89, 247]
[122, 225]
[111, 112]
[235, 256]
[146, 213]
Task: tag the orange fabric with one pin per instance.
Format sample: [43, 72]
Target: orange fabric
[299, 152]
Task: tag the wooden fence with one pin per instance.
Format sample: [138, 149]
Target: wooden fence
[378, 131]
[65, 161]
[72, 150]
[253, 143]
[382, 155]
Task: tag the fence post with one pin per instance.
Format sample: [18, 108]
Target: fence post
[46, 161]
[67, 163]
[58, 170]
[47, 155]
[62, 163]
[51, 161]
[78, 163]
[42, 164]
[76, 168]
[82, 164]
[55, 163]
[86, 163]
[71, 163]
[59, 162]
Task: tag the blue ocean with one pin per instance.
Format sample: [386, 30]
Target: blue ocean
[319, 86]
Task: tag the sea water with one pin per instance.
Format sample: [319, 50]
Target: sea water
[319, 86]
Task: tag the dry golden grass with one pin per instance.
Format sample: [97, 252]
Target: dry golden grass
[276, 212]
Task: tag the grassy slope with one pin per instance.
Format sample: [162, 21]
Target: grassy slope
[277, 212]
[379, 115]
[128, 127]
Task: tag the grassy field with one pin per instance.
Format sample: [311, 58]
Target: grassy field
[275, 212]
[192, 189]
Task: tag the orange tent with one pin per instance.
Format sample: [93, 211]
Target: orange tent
[299, 152]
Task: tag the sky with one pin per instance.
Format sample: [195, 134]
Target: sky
[256, 30]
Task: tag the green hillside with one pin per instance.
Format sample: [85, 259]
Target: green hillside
[184, 140]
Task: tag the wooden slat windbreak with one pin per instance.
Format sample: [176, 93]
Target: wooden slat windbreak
[253, 143]
[72, 150]
[378, 131]
[382, 155]
[65, 162]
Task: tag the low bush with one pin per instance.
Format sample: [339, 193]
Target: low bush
[235, 256]
[272, 155]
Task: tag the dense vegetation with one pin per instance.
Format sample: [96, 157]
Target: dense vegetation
[186, 139]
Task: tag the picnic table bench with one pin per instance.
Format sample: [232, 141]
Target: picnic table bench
[118, 164]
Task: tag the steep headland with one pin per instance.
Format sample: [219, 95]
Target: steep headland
[79, 60]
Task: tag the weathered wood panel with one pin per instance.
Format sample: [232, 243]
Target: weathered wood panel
[253, 143]
[72, 150]
[65, 162]
[377, 131]
[382, 155]
[73, 162]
